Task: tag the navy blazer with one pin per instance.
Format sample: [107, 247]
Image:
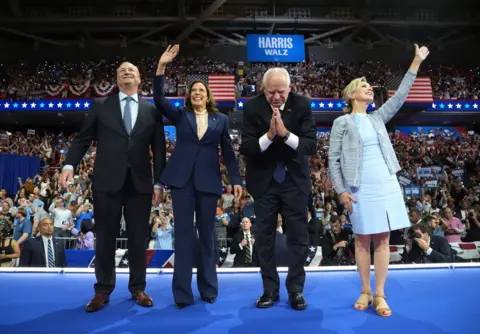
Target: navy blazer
[33, 253]
[193, 155]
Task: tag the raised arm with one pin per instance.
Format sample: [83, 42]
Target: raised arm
[173, 114]
[393, 105]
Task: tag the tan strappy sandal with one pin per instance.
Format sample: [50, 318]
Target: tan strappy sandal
[363, 301]
[382, 311]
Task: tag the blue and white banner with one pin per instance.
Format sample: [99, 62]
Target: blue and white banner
[80, 104]
[276, 48]
[316, 104]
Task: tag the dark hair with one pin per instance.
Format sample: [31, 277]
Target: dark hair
[23, 212]
[211, 105]
[86, 226]
[424, 227]
[335, 219]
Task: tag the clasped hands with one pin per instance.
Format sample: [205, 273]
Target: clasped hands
[277, 127]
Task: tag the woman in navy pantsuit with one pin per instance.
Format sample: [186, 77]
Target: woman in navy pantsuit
[193, 174]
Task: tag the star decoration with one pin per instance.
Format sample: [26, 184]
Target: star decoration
[316, 104]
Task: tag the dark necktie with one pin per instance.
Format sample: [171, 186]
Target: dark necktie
[51, 261]
[248, 250]
[127, 115]
[280, 173]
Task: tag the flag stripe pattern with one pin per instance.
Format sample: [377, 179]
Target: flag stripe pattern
[420, 92]
[222, 85]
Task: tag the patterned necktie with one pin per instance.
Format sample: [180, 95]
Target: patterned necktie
[279, 174]
[51, 261]
[248, 250]
[127, 115]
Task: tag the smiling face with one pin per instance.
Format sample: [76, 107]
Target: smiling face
[199, 96]
[358, 91]
[128, 75]
[363, 93]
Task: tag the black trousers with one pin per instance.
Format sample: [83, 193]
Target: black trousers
[186, 201]
[288, 199]
[108, 212]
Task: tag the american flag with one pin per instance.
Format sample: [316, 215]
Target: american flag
[121, 258]
[421, 90]
[314, 257]
[222, 85]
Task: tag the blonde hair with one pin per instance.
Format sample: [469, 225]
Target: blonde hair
[350, 89]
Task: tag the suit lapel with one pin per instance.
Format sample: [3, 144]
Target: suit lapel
[114, 104]
[212, 125]
[55, 250]
[193, 121]
[267, 114]
[42, 246]
[287, 112]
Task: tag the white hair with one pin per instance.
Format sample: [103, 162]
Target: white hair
[276, 70]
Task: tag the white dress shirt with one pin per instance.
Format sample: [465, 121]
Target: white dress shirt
[264, 142]
[133, 106]
[45, 247]
[123, 103]
[247, 236]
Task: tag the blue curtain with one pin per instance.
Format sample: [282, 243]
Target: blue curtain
[14, 166]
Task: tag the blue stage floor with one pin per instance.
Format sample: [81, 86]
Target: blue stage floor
[426, 301]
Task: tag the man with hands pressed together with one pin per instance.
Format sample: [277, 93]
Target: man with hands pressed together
[278, 136]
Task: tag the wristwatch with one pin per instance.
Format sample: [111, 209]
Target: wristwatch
[287, 135]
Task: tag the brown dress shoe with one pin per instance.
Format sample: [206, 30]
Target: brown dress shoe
[97, 302]
[142, 299]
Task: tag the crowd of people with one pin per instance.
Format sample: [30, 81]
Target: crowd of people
[440, 177]
[313, 78]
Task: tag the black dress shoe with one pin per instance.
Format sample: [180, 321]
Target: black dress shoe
[182, 305]
[210, 299]
[267, 299]
[297, 301]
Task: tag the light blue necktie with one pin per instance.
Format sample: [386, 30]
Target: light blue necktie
[51, 261]
[127, 115]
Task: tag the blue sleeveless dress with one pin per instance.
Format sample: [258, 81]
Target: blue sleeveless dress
[380, 205]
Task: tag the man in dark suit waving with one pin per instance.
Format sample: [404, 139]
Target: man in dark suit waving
[278, 136]
[125, 128]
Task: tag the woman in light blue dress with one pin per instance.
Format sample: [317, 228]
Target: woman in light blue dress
[363, 167]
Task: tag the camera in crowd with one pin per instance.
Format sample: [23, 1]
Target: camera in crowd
[342, 256]
[412, 234]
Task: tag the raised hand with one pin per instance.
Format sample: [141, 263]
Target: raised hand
[421, 53]
[169, 54]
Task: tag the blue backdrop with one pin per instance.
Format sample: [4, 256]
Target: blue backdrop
[14, 166]
[276, 48]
